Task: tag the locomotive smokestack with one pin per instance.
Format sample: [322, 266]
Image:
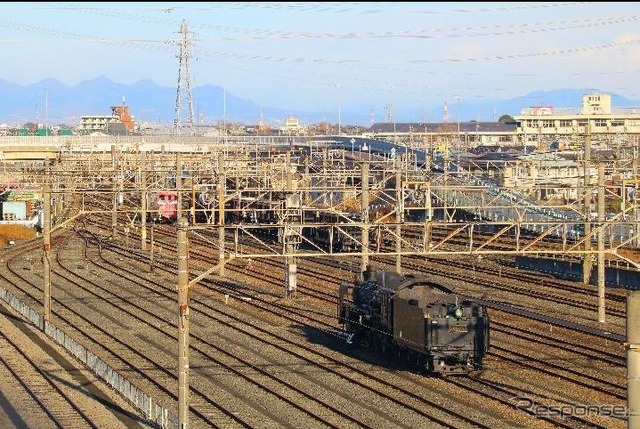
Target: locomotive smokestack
[370, 274]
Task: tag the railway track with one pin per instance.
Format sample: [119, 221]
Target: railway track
[316, 358]
[262, 314]
[43, 387]
[568, 378]
[41, 392]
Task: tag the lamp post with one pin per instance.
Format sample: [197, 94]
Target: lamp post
[393, 116]
[339, 110]
[224, 114]
[393, 113]
[46, 112]
[457, 97]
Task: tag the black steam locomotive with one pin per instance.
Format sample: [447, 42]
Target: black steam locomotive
[415, 319]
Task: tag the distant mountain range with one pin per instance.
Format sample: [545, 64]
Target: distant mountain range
[55, 103]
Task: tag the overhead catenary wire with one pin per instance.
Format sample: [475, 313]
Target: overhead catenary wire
[420, 78]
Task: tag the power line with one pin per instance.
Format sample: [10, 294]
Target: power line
[458, 31]
[155, 44]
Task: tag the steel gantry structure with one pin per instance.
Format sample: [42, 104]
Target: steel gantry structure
[238, 192]
[413, 210]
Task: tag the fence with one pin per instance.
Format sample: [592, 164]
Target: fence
[143, 402]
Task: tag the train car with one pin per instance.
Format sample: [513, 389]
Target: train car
[328, 230]
[333, 231]
[264, 213]
[236, 211]
[418, 320]
[206, 206]
[260, 218]
[163, 206]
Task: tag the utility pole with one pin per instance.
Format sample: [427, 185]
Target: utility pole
[601, 260]
[183, 325]
[222, 187]
[587, 264]
[365, 215]
[46, 259]
[633, 359]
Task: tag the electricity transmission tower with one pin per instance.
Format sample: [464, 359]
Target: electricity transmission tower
[183, 95]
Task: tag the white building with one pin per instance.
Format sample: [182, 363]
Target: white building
[596, 117]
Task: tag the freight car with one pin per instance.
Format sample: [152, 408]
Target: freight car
[416, 320]
[333, 231]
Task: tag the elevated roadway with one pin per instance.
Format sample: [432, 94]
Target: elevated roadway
[28, 153]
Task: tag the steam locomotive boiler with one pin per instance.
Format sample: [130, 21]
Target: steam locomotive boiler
[415, 319]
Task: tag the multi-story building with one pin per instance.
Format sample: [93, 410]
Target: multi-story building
[544, 126]
[119, 122]
[550, 176]
[292, 127]
[97, 123]
[597, 118]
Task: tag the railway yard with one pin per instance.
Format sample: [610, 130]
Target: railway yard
[264, 347]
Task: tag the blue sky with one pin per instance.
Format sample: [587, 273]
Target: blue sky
[320, 55]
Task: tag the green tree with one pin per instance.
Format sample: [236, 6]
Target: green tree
[506, 118]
